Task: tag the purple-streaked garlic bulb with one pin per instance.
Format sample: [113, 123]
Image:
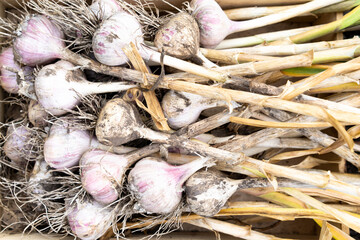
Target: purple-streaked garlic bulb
[18, 145]
[102, 174]
[65, 145]
[38, 41]
[157, 186]
[115, 33]
[179, 37]
[10, 71]
[182, 108]
[208, 191]
[37, 114]
[104, 9]
[213, 22]
[88, 220]
[60, 86]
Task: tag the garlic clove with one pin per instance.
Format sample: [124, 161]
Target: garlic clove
[39, 41]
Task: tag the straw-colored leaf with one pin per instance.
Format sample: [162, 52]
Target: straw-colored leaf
[332, 194]
[310, 162]
[283, 199]
[341, 130]
[268, 124]
[345, 87]
[337, 233]
[346, 218]
[283, 214]
[294, 154]
[154, 107]
[244, 232]
[325, 233]
[354, 132]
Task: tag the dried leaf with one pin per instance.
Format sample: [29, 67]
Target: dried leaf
[341, 130]
[259, 123]
[310, 162]
[346, 218]
[294, 154]
[325, 233]
[154, 107]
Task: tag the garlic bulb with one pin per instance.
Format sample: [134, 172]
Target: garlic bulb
[208, 191]
[157, 186]
[182, 108]
[65, 145]
[37, 114]
[115, 33]
[10, 80]
[60, 86]
[102, 174]
[19, 145]
[88, 220]
[39, 41]
[104, 9]
[179, 37]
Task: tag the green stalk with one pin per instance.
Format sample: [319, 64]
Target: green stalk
[348, 20]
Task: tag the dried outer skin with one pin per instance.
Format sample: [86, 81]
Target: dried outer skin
[179, 37]
[207, 192]
[117, 123]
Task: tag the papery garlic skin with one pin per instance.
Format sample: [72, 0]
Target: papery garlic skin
[39, 41]
[65, 146]
[213, 22]
[182, 108]
[157, 185]
[102, 174]
[103, 9]
[115, 33]
[88, 220]
[18, 145]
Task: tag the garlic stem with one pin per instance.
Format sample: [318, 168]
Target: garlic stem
[215, 25]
